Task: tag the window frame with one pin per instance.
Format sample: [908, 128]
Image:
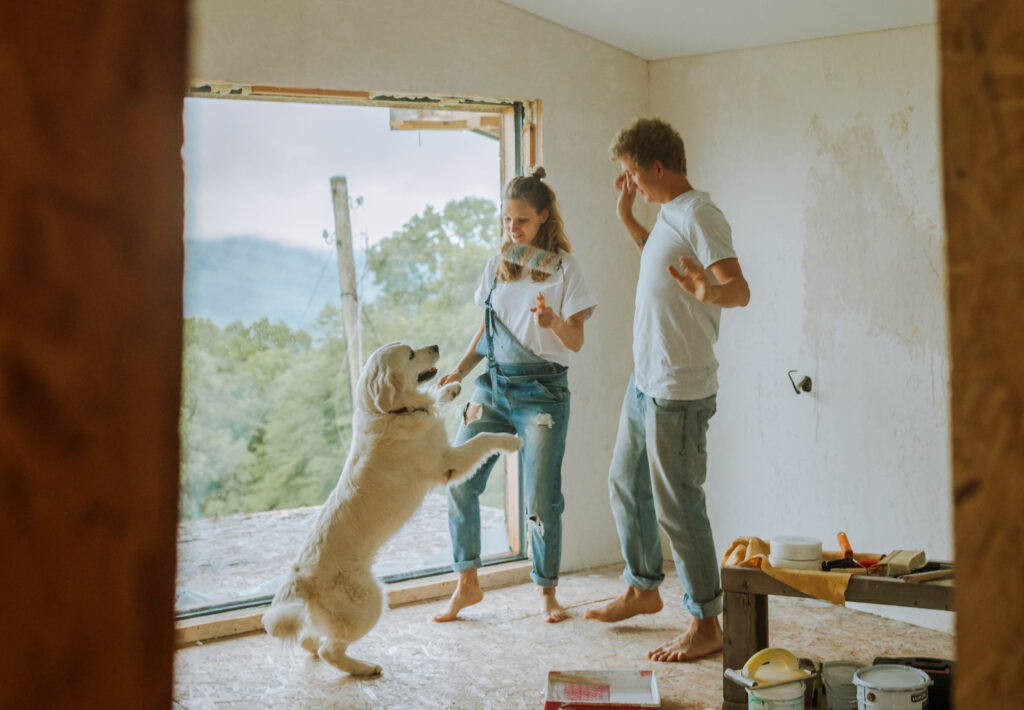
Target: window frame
[519, 148]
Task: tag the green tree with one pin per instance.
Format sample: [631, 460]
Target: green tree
[427, 272]
[266, 414]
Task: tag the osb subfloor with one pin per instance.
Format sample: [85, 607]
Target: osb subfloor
[499, 654]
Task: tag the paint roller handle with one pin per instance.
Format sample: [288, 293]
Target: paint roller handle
[844, 544]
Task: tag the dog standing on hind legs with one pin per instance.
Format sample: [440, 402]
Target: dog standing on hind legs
[399, 451]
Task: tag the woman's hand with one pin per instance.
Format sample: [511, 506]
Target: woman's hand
[542, 315]
[453, 376]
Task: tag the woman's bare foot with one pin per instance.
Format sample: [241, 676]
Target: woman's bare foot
[634, 601]
[703, 638]
[467, 593]
[553, 611]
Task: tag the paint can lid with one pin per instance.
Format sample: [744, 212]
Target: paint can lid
[890, 677]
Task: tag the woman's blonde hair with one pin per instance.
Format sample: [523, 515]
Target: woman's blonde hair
[532, 190]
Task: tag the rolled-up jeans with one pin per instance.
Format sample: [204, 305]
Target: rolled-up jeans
[657, 475]
[533, 402]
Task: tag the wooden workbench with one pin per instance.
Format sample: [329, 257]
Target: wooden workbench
[745, 622]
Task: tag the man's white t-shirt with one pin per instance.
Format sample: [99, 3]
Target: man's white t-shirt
[673, 332]
[565, 292]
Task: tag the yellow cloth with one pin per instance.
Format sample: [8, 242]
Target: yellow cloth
[829, 586]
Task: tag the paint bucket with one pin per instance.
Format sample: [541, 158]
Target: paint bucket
[887, 687]
[839, 688]
[780, 697]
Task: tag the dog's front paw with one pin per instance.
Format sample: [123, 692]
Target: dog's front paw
[510, 442]
[449, 392]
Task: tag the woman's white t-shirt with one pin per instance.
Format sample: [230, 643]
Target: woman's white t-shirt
[565, 292]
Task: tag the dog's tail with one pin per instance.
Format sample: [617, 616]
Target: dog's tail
[287, 613]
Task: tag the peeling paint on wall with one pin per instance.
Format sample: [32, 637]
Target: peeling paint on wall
[868, 255]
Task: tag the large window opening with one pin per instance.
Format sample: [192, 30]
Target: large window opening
[317, 228]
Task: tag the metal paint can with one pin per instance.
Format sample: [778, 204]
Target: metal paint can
[889, 687]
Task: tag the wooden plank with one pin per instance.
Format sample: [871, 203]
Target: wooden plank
[982, 125]
[214, 626]
[744, 633]
[930, 576]
[868, 590]
[91, 265]
[309, 93]
[512, 512]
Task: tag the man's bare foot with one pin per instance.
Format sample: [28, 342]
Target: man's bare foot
[467, 593]
[634, 601]
[553, 611]
[703, 638]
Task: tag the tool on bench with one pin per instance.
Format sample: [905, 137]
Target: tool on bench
[930, 572]
[848, 563]
[901, 562]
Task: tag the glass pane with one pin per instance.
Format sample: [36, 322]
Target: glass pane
[266, 417]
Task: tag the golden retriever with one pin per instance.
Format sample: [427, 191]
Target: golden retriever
[399, 451]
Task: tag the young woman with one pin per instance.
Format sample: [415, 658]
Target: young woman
[532, 321]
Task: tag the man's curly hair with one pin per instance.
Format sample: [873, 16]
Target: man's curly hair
[649, 139]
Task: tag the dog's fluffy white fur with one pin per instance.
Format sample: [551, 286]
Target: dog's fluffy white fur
[399, 451]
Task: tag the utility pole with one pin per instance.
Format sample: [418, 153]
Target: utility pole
[347, 280]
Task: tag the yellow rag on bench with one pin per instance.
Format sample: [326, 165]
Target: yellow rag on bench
[829, 586]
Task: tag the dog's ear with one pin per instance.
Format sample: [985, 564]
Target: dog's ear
[389, 397]
[369, 386]
[380, 389]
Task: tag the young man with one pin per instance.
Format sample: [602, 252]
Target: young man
[688, 273]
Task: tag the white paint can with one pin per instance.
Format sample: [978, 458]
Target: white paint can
[781, 697]
[891, 687]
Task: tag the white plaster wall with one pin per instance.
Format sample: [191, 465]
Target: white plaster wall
[824, 155]
[489, 49]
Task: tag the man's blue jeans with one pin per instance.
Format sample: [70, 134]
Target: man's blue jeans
[657, 474]
[536, 407]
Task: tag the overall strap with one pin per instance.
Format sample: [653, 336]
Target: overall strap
[492, 364]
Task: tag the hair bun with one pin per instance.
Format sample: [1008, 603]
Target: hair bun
[539, 172]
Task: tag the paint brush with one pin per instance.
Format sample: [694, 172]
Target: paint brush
[531, 257]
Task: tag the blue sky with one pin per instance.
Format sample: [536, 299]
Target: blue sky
[263, 168]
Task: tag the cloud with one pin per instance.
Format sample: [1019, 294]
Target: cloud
[263, 168]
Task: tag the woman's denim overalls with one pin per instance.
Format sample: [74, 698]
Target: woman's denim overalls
[524, 394]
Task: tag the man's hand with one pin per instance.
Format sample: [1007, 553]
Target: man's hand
[692, 279]
[731, 291]
[627, 194]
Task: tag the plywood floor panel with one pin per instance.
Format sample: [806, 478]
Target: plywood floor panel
[498, 656]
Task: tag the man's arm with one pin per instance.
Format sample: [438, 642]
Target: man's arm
[627, 194]
[731, 291]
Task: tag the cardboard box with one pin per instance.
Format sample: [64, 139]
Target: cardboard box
[601, 690]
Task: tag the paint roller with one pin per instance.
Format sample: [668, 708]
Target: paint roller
[531, 257]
